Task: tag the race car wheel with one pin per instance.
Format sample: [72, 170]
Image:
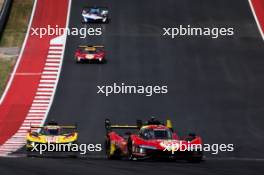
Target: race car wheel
[102, 61]
[75, 154]
[107, 148]
[195, 157]
[111, 153]
[76, 60]
[130, 149]
[105, 20]
[28, 149]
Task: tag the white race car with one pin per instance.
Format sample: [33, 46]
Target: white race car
[95, 15]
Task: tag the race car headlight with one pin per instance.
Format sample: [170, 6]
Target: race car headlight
[142, 150]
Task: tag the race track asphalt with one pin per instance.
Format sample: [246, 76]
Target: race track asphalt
[215, 86]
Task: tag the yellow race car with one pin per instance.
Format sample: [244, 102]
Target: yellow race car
[50, 138]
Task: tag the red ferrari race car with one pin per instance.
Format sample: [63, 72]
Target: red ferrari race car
[152, 139]
[90, 54]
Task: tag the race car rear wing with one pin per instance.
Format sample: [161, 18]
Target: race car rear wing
[123, 127]
[63, 127]
[97, 46]
[109, 126]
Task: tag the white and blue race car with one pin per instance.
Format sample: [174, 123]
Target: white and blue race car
[95, 15]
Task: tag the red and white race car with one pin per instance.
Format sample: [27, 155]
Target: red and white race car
[153, 139]
[90, 54]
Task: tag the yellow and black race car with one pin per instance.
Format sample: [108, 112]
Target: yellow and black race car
[50, 138]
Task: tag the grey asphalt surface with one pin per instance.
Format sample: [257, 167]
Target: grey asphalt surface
[215, 86]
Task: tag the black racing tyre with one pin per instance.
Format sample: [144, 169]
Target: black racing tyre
[77, 61]
[195, 157]
[28, 149]
[108, 150]
[130, 149]
[103, 61]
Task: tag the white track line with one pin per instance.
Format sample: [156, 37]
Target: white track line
[8, 151]
[38, 108]
[30, 124]
[256, 19]
[40, 104]
[44, 93]
[44, 96]
[52, 64]
[47, 81]
[21, 53]
[45, 89]
[31, 121]
[53, 61]
[49, 73]
[51, 68]
[48, 76]
[36, 115]
[46, 85]
[40, 101]
[54, 56]
[34, 118]
[56, 48]
[53, 52]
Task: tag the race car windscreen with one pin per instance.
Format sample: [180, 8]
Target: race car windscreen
[97, 11]
[51, 132]
[157, 134]
[162, 134]
[90, 51]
